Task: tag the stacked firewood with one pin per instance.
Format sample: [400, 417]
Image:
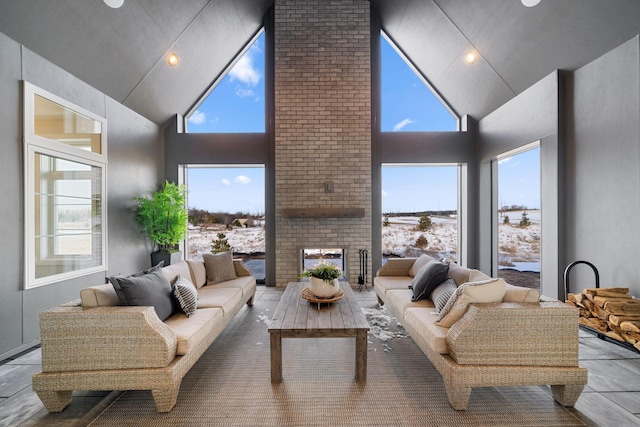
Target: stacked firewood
[611, 311]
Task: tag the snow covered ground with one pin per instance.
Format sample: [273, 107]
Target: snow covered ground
[519, 246]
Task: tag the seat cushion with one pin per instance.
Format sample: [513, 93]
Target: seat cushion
[192, 330]
[419, 263]
[245, 283]
[198, 273]
[399, 300]
[422, 320]
[225, 298]
[385, 283]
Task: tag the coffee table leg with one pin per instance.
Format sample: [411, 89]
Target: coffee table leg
[361, 356]
[276, 357]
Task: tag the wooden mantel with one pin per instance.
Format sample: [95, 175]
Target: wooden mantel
[323, 213]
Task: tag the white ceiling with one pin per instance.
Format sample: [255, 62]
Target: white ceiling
[122, 52]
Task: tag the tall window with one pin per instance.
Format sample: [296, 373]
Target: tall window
[226, 213]
[65, 163]
[519, 216]
[420, 211]
[236, 103]
[408, 103]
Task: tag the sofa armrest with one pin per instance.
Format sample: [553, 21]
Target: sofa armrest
[539, 334]
[241, 269]
[396, 267]
[102, 338]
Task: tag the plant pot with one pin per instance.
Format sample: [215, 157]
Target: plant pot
[168, 257]
[324, 289]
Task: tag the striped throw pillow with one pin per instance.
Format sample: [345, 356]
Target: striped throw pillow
[186, 294]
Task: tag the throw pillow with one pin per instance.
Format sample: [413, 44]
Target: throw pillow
[428, 278]
[419, 263]
[114, 281]
[442, 293]
[521, 294]
[485, 291]
[219, 267]
[186, 294]
[151, 289]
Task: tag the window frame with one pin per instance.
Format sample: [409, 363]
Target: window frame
[38, 145]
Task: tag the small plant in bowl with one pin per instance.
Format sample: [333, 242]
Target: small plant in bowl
[324, 279]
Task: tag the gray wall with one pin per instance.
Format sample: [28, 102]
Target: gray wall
[603, 172]
[135, 167]
[533, 115]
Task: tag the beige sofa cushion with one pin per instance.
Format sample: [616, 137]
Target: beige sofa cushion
[225, 298]
[244, 283]
[192, 330]
[385, 283]
[420, 262]
[99, 296]
[400, 299]
[521, 294]
[198, 272]
[422, 320]
[171, 272]
[484, 291]
[458, 273]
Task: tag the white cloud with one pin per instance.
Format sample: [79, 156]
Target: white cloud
[241, 179]
[244, 71]
[384, 193]
[402, 124]
[244, 93]
[505, 160]
[225, 181]
[198, 118]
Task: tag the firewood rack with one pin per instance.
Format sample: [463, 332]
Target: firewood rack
[594, 331]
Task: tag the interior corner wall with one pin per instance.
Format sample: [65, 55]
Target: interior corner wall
[322, 127]
[533, 115]
[132, 171]
[603, 172]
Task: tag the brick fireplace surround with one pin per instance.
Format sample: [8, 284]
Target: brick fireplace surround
[322, 128]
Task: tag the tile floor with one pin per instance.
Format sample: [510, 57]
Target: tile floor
[611, 398]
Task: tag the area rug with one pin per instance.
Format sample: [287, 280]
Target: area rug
[230, 386]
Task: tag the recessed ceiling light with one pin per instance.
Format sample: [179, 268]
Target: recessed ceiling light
[470, 57]
[530, 3]
[173, 59]
[114, 3]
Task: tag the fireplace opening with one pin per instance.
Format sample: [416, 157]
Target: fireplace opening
[309, 257]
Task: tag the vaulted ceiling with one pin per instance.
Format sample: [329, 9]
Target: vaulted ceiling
[122, 52]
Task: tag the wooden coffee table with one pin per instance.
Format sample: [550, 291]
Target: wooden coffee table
[296, 317]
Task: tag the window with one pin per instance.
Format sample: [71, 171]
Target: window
[519, 216]
[226, 212]
[408, 103]
[236, 103]
[420, 211]
[65, 163]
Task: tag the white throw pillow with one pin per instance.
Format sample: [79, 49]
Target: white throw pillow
[485, 291]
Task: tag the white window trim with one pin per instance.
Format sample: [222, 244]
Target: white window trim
[36, 144]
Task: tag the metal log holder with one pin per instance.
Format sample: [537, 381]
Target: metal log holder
[594, 331]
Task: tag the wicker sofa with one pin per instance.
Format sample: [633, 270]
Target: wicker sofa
[507, 343]
[95, 344]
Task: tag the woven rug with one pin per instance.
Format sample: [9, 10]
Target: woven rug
[230, 386]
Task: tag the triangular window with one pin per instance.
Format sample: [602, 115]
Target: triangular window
[408, 103]
[236, 103]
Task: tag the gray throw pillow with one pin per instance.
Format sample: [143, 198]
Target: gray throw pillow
[442, 293]
[186, 294]
[151, 289]
[428, 278]
[219, 267]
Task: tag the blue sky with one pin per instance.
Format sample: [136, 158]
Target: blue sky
[237, 105]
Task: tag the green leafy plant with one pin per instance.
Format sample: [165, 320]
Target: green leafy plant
[424, 223]
[163, 216]
[324, 271]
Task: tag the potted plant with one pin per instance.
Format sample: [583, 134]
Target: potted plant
[324, 279]
[163, 217]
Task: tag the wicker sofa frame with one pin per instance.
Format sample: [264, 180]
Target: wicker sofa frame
[118, 348]
[501, 344]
